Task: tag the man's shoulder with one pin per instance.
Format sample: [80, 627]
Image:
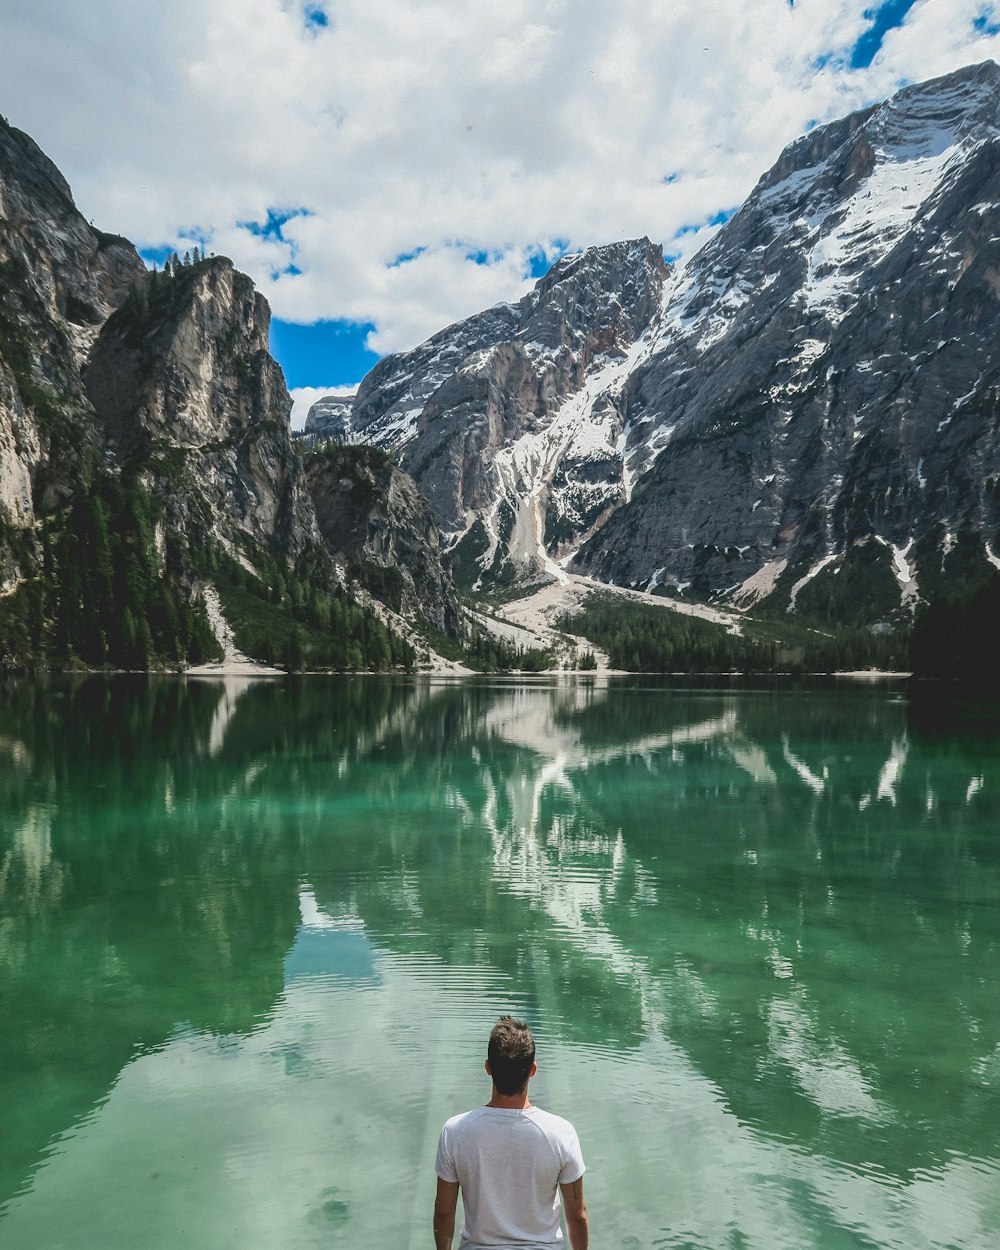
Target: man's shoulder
[463, 1118]
[551, 1120]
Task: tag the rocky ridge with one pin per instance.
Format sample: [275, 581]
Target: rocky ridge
[59, 280]
[183, 384]
[805, 414]
[375, 522]
[820, 402]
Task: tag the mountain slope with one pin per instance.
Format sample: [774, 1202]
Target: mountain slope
[145, 452]
[510, 417]
[806, 414]
[822, 396]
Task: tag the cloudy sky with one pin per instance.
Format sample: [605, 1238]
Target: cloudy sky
[384, 167]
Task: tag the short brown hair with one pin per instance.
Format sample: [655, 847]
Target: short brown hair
[511, 1053]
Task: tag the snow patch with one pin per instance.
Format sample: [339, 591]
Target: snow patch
[804, 581]
[854, 239]
[903, 571]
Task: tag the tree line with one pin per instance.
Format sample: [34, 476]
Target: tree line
[644, 638]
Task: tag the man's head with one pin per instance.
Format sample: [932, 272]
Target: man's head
[510, 1056]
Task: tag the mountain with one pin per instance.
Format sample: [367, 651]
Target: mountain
[805, 415]
[59, 281]
[485, 414]
[182, 382]
[147, 468]
[818, 412]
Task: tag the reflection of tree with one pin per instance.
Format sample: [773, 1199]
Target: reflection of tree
[128, 893]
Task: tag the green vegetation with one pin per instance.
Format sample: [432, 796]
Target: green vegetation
[93, 589]
[955, 637]
[485, 653]
[864, 577]
[465, 556]
[488, 654]
[161, 294]
[298, 618]
[643, 638]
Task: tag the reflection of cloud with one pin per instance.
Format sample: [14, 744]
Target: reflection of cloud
[342, 1092]
[827, 1075]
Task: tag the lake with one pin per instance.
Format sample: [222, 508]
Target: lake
[253, 937]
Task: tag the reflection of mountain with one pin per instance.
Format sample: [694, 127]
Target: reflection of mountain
[784, 892]
[764, 867]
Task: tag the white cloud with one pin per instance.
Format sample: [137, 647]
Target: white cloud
[455, 128]
[303, 398]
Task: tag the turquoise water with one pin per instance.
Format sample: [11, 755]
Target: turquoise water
[253, 937]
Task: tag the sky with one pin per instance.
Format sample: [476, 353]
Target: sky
[383, 168]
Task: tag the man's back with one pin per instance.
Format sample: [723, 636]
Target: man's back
[517, 1167]
[509, 1164]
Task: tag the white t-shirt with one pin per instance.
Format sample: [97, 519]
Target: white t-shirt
[510, 1165]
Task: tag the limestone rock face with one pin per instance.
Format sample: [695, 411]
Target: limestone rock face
[329, 419]
[809, 408]
[59, 280]
[373, 518]
[183, 384]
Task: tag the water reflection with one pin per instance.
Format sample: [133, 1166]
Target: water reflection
[759, 928]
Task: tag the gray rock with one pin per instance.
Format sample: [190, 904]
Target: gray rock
[823, 374]
[59, 280]
[328, 420]
[375, 521]
[184, 386]
[474, 413]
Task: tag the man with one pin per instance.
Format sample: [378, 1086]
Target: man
[511, 1160]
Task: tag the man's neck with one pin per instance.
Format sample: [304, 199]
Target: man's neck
[510, 1102]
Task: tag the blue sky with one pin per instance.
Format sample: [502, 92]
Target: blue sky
[382, 168]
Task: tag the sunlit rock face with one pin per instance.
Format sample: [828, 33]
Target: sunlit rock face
[182, 379]
[59, 280]
[820, 404]
[101, 359]
[329, 419]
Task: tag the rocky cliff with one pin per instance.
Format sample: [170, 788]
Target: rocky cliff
[184, 388]
[817, 418]
[516, 410]
[374, 520]
[145, 449]
[59, 281]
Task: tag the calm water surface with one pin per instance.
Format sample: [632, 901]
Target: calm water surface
[252, 939]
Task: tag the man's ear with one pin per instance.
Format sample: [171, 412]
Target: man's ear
[534, 1069]
[486, 1065]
